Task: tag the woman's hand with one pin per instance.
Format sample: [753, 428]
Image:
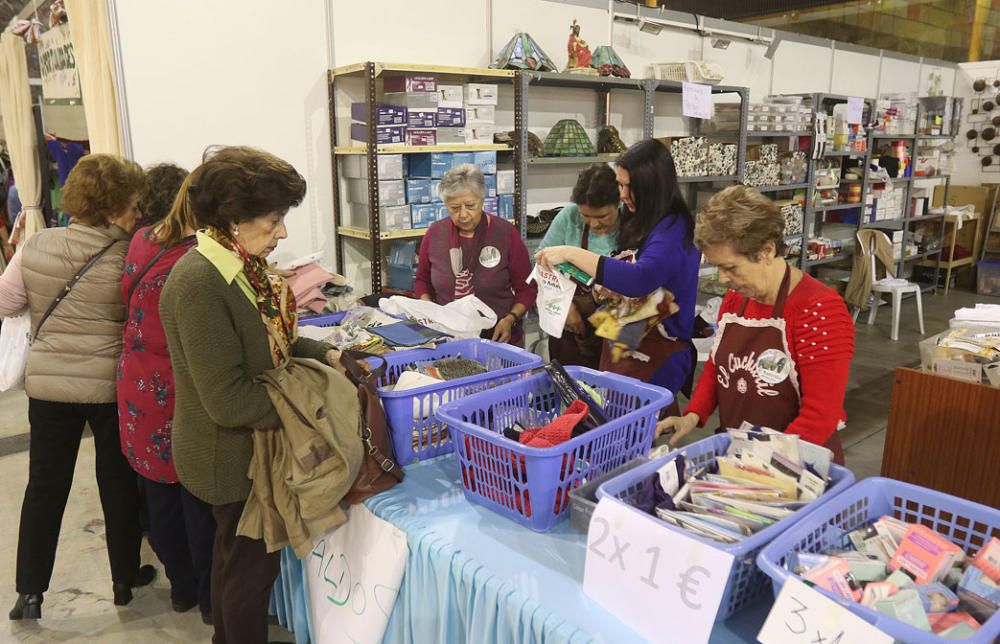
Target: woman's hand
[677, 427]
[574, 321]
[502, 331]
[333, 359]
[552, 256]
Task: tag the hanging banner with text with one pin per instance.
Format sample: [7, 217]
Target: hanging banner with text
[665, 585]
[354, 577]
[60, 81]
[803, 616]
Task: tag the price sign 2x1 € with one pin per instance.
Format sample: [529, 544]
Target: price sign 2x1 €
[663, 584]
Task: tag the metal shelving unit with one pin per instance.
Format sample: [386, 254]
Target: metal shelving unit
[369, 73]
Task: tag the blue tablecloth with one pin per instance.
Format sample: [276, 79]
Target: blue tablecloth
[473, 575]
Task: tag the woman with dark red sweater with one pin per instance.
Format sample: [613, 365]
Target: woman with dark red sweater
[784, 345]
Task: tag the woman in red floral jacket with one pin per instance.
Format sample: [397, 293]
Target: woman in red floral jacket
[181, 527]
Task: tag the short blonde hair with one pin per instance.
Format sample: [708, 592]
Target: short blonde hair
[744, 219]
[100, 187]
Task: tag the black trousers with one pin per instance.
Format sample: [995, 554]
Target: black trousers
[56, 430]
[243, 573]
[181, 532]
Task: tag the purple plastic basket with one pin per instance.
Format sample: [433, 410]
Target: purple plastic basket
[745, 579]
[415, 431]
[969, 525]
[531, 485]
[323, 319]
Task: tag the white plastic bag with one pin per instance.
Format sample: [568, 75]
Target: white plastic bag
[462, 319]
[555, 297]
[14, 340]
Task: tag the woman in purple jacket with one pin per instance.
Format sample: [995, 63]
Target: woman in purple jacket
[655, 271]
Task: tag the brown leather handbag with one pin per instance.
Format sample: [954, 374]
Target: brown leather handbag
[379, 469]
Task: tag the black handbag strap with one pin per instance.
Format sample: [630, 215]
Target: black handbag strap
[358, 369]
[142, 273]
[69, 287]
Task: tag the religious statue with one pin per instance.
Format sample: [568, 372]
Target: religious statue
[579, 52]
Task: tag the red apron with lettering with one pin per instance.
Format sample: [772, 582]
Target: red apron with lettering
[756, 376]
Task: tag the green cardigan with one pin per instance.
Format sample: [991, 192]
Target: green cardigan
[218, 344]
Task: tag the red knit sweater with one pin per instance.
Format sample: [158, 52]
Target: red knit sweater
[820, 335]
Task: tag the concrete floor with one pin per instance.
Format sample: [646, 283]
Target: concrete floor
[78, 607]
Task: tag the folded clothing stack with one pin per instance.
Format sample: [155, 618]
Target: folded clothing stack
[313, 287]
[910, 573]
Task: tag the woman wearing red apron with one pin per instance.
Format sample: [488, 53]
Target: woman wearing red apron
[784, 345]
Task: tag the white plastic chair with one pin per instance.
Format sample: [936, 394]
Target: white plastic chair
[897, 288]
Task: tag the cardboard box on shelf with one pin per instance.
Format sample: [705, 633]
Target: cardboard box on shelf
[423, 215]
[486, 160]
[479, 134]
[421, 137]
[390, 193]
[481, 94]
[434, 165]
[505, 182]
[420, 119]
[412, 100]
[384, 114]
[450, 116]
[384, 135]
[391, 218]
[410, 84]
[450, 96]
[491, 185]
[481, 115]
[390, 166]
[420, 191]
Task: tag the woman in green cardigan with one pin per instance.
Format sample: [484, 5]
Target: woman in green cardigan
[228, 319]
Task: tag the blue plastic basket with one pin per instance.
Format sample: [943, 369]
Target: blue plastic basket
[323, 319]
[410, 413]
[969, 525]
[745, 579]
[531, 485]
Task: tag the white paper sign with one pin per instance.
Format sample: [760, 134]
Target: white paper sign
[354, 577]
[60, 81]
[803, 616]
[855, 110]
[555, 297]
[697, 99]
[663, 584]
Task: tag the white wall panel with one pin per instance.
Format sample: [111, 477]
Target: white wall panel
[854, 74]
[800, 68]
[744, 65]
[237, 79]
[899, 76]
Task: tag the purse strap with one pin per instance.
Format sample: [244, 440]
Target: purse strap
[142, 273]
[359, 370]
[69, 287]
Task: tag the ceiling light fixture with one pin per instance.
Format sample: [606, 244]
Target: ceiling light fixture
[649, 27]
[720, 43]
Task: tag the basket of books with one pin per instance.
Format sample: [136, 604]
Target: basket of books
[921, 565]
[417, 381]
[524, 446]
[735, 492]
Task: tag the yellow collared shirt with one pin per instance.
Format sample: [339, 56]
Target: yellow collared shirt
[228, 265]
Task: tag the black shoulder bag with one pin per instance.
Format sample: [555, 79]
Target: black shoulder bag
[69, 287]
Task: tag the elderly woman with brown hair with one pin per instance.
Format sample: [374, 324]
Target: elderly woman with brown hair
[785, 341]
[228, 319]
[69, 279]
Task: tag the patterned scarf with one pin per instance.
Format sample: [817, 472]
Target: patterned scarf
[275, 300]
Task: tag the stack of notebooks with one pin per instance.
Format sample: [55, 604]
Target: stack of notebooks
[910, 573]
[763, 478]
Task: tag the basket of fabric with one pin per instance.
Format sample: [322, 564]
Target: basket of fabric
[967, 524]
[745, 579]
[460, 368]
[531, 485]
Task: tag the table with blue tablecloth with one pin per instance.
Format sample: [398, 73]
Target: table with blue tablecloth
[473, 575]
